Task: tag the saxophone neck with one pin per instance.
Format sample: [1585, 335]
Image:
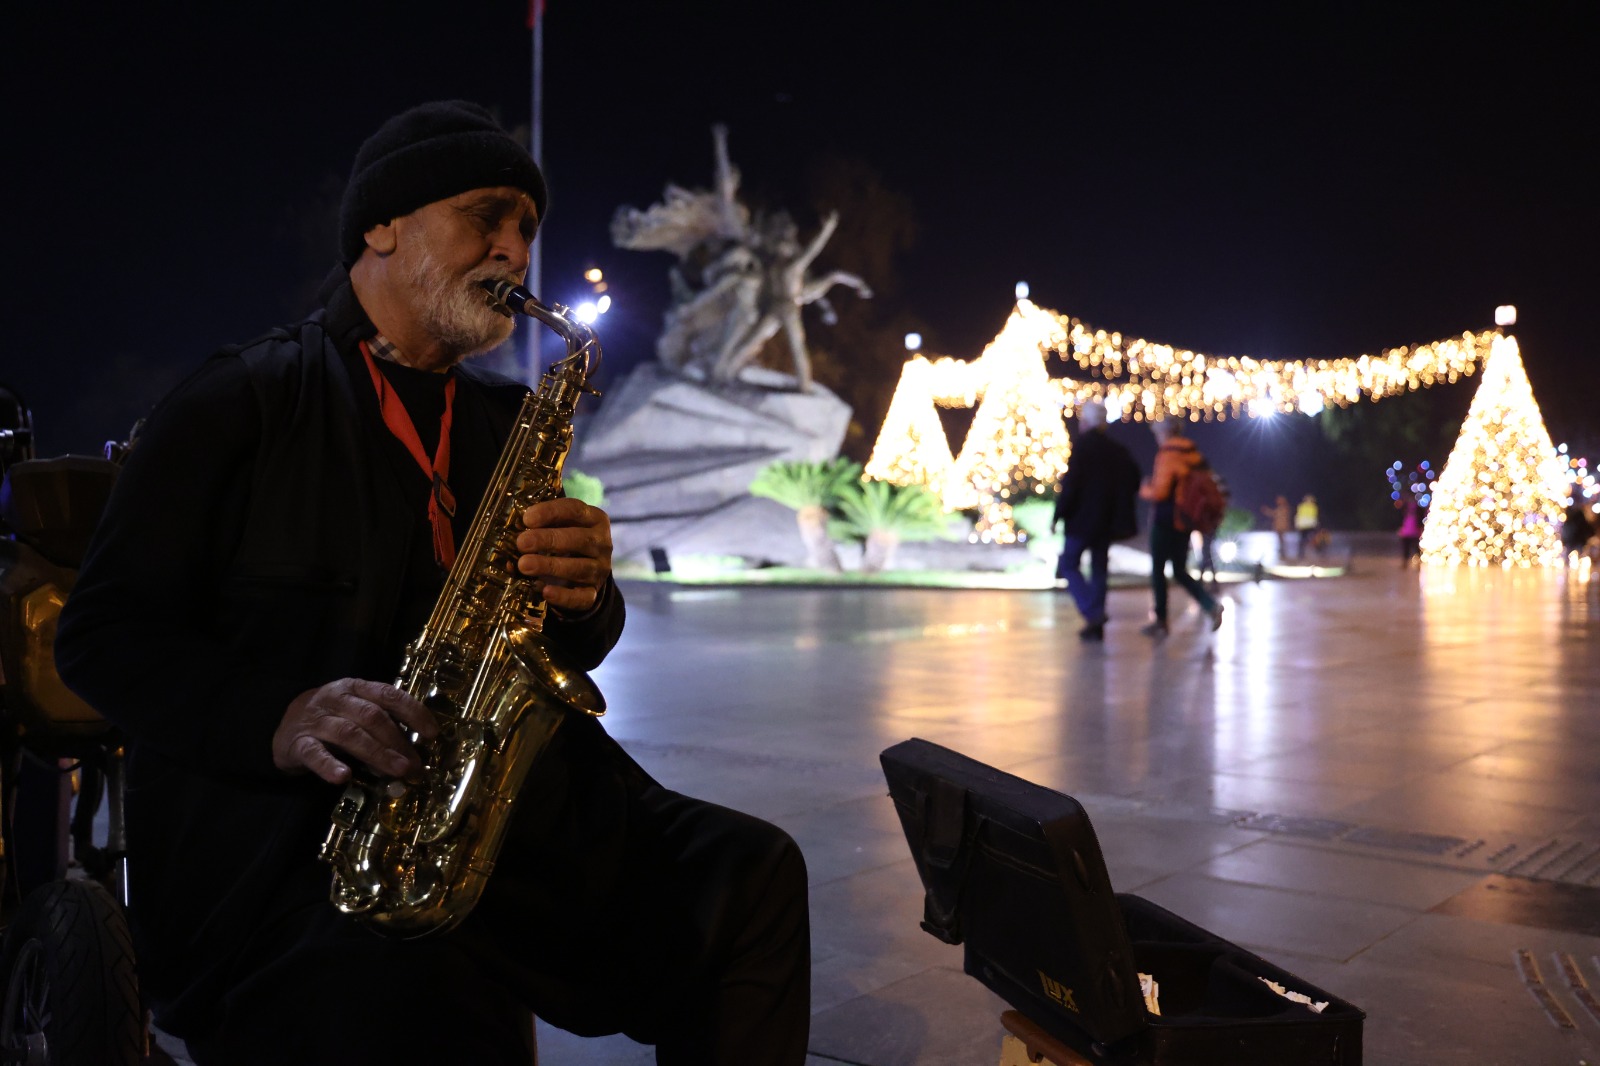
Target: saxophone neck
[583, 347]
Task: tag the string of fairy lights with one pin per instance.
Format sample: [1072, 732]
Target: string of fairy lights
[1156, 381]
[1493, 503]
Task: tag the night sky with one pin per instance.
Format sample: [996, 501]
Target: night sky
[1283, 181]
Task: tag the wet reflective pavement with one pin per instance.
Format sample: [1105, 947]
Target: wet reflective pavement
[1387, 783]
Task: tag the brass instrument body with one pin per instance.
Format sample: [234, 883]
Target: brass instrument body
[413, 857]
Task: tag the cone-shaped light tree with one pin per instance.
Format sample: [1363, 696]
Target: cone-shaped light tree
[1500, 499]
[911, 448]
[1017, 445]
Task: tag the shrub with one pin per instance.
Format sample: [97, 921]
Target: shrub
[1032, 516]
[580, 486]
[1236, 520]
[805, 483]
[884, 515]
[810, 488]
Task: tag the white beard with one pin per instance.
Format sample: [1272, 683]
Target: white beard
[453, 308]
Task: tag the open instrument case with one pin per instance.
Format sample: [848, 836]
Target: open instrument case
[1013, 872]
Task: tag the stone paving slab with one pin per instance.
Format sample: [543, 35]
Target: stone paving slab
[1342, 758]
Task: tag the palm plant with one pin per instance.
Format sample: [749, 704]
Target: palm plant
[1032, 515]
[810, 488]
[581, 486]
[1236, 520]
[884, 515]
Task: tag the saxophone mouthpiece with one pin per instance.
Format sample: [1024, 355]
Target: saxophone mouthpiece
[507, 297]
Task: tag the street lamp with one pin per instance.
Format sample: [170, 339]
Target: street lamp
[587, 311]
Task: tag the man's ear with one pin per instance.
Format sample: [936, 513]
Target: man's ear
[381, 238]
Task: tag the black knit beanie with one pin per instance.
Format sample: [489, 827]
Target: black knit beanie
[428, 153]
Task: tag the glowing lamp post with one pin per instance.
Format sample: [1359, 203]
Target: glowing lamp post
[587, 311]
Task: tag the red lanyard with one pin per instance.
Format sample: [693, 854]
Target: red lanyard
[441, 501]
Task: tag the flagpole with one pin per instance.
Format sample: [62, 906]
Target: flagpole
[531, 333]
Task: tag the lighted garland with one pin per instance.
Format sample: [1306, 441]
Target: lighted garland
[1018, 443]
[1148, 381]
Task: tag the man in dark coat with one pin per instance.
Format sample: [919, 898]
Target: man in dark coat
[1095, 506]
[277, 535]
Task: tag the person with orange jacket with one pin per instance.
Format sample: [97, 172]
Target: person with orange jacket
[1175, 457]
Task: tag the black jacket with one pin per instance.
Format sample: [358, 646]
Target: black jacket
[1096, 500]
[265, 536]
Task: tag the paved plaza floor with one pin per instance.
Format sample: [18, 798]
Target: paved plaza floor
[1387, 783]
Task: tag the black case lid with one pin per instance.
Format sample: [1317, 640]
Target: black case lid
[1013, 871]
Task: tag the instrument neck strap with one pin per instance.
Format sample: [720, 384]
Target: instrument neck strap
[441, 501]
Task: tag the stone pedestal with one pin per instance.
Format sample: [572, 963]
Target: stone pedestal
[677, 457]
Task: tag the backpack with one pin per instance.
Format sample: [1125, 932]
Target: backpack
[1198, 503]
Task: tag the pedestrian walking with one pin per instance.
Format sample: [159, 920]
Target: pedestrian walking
[1094, 507]
[1576, 527]
[1176, 458]
[1208, 533]
[1410, 531]
[1282, 521]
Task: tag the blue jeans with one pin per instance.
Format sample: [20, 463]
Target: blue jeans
[1088, 593]
[1169, 545]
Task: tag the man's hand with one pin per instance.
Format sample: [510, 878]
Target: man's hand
[366, 721]
[566, 549]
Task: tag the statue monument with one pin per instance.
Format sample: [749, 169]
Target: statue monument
[679, 441]
[739, 280]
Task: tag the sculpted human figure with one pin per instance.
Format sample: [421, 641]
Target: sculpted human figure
[736, 284]
[785, 290]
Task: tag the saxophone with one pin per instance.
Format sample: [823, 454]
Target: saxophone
[412, 857]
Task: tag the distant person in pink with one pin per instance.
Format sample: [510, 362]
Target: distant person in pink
[1410, 531]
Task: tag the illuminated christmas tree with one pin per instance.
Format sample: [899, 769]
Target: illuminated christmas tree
[911, 448]
[1018, 443]
[1500, 499]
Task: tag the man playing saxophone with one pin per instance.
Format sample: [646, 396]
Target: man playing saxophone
[282, 528]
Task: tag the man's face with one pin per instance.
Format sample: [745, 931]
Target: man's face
[444, 249]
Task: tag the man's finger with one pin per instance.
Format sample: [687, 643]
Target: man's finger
[574, 601]
[386, 751]
[559, 540]
[316, 757]
[562, 511]
[408, 709]
[571, 569]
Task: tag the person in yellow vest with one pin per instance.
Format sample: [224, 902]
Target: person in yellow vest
[1306, 523]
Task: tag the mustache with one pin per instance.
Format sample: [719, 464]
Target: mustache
[492, 274]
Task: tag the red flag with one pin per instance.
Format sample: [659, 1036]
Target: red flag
[535, 12]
